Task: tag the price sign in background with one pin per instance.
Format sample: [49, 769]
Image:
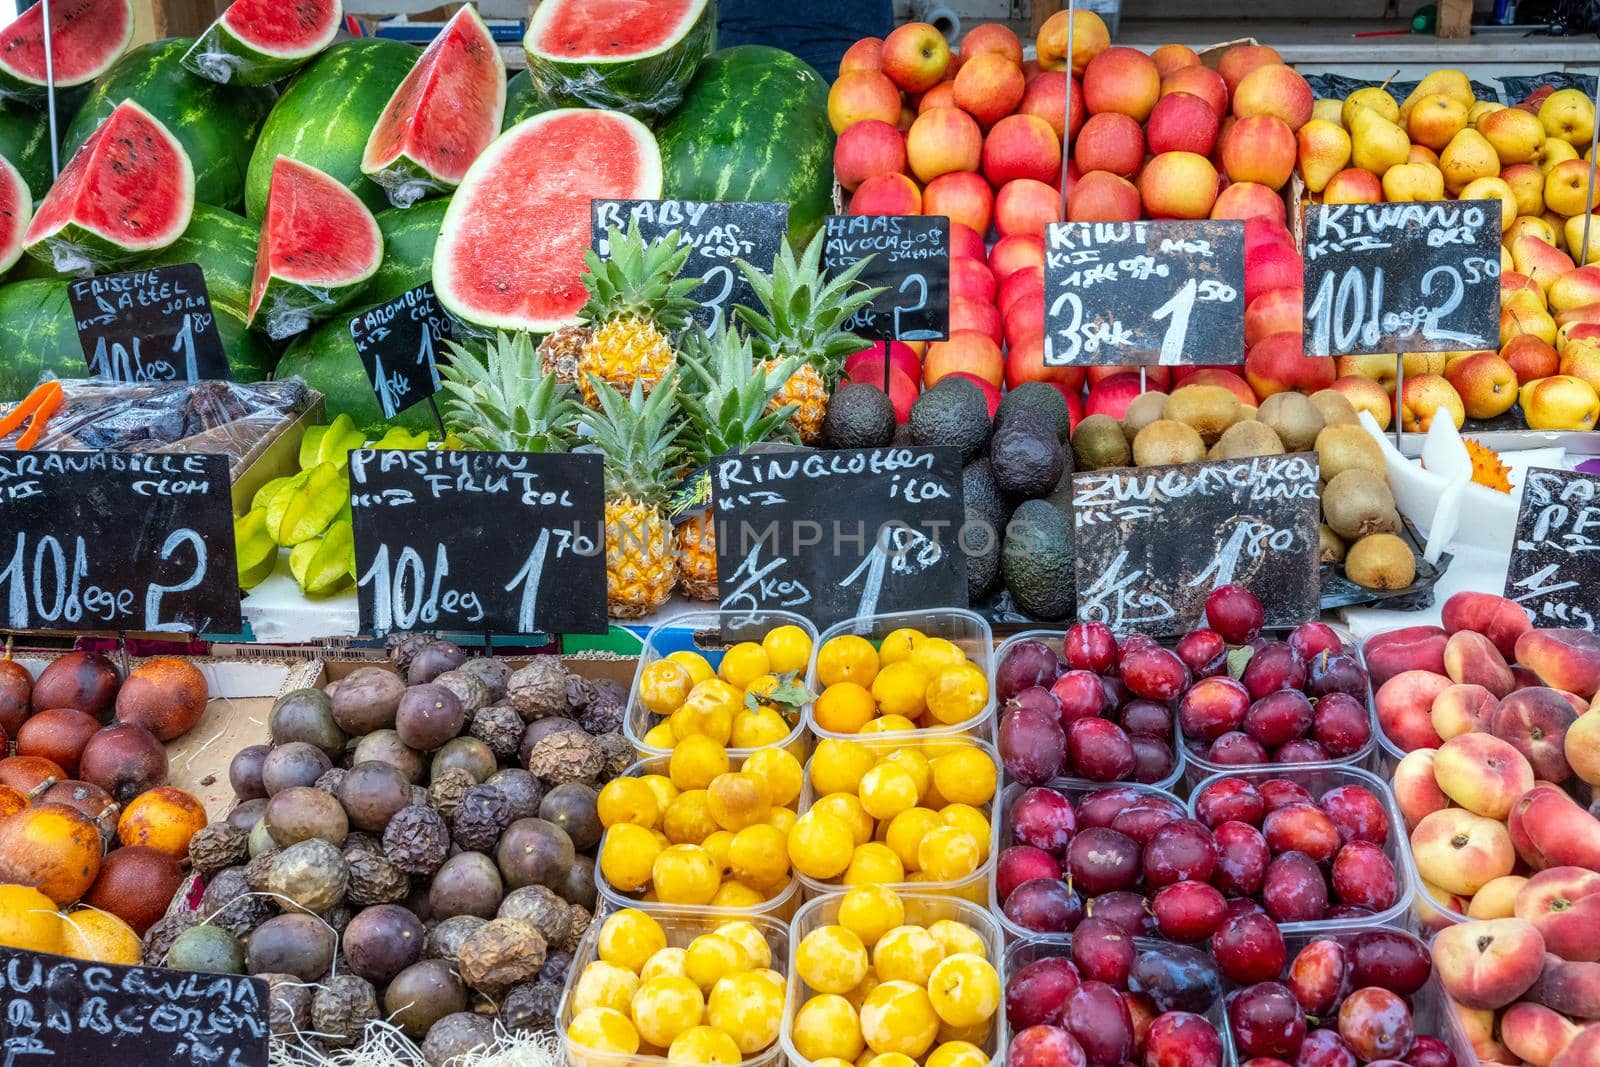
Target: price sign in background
[1165, 293]
[55, 1010]
[508, 542]
[910, 259]
[718, 232]
[151, 325]
[1422, 277]
[401, 345]
[114, 541]
[840, 535]
[1151, 543]
[1555, 555]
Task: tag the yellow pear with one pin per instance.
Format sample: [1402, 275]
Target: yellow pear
[1530, 226]
[1506, 262]
[1377, 99]
[1452, 83]
[1551, 152]
[1515, 134]
[1376, 144]
[1468, 157]
[1569, 115]
[1328, 109]
[1558, 224]
[1481, 108]
[1324, 150]
[1408, 182]
[1539, 261]
[1574, 234]
[1493, 189]
[1435, 119]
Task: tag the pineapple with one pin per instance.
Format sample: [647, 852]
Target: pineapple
[729, 404]
[637, 303]
[804, 315]
[636, 435]
[500, 400]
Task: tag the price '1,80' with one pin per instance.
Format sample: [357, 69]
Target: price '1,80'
[46, 583]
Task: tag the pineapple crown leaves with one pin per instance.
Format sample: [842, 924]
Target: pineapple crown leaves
[637, 437]
[500, 399]
[805, 310]
[639, 278]
[729, 392]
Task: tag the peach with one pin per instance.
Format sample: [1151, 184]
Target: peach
[1486, 383]
[1569, 987]
[1274, 89]
[1520, 840]
[1026, 206]
[1411, 648]
[1367, 395]
[1353, 185]
[989, 86]
[1112, 395]
[1014, 252]
[1563, 658]
[1498, 899]
[971, 279]
[1487, 965]
[865, 54]
[1089, 35]
[1536, 1034]
[1483, 774]
[1416, 790]
[1178, 185]
[1244, 200]
[1426, 397]
[1101, 196]
[1530, 358]
[1171, 57]
[916, 55]
[1479, 1028]
[860, 95]
[1471, 658]
[1405, 708]
[1025, 363]
[1110, 142]
[1226, 379]
[1260, 148]
[1203, 82]
[942, 141]
[989, 37]
[1563, 903]
[967, 350]
[1275, 311]
[1535, 722]
[1123, 80]
[1237, 62]
[1182, 122]
[1582, 746]
[963, 197]
[1021, 146]
[1275, 365]
[887, 194]
[1462, 709]
[868, 148]
[1046, 98]
[1558, 831]
[966, 242]
[1583, 1051]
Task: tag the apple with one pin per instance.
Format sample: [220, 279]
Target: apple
[1182, 122]
[1274, 89]
[916, 55]
[1274, 311]
[866, 149]
[1275, 364]
[1260, 148]
[1203, 82]
[963, 197]
[887, 194]
[860, 95]
[942, 141]
[1021, 146]
[1089, 37]
[1025, 363]
[989, 86]
[991, 37]
[1178, 185]
[971, 279]
[1112, 395]
[966, 350]
[1353, 186]
[1238, 61]
[1013, 253]
[1046, 98]
[1246, 200]
[1171, 57]
[865, 54]
[1122, 80]
[1110, 142]
[1025, 206]
[1101, 196]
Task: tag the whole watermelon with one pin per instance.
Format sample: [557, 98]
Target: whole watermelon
[216, 124]
[753, 126]
[326, 115]
[522, 101]
[25, 142]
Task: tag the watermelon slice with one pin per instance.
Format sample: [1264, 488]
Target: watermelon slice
[510, 251]
[16, 208]
[442, 116]
[261, 41]
[620, 54]
[127, 191]
[319, 246]
[86, 37]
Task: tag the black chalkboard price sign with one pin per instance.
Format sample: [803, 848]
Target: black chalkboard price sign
[1418, 277]
[717, 231]
[910, 260]
[1152, 542]
[1123, 293]
[840, 535]
[117, 541]
[1554, 571]
[151, 325]
[401, 345]
[510, 542]
[55, 1010]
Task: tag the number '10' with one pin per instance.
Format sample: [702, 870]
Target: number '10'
[1342, 319]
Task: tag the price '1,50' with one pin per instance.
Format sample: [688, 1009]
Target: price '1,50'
[45, 582]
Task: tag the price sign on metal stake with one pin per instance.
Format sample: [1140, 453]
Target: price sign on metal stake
[910, 261]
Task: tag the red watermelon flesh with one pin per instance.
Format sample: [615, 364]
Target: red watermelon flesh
[442, 116]
[510, 251]
[86, 38]
[283, 27]
[128, 189]
[16, 208]
[604, 29]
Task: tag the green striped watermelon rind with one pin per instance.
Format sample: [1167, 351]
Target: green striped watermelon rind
[754, 126]
[648, 85]
[522, 101]
[216, 125]
[16, 211]
[16, 84]
[222, 55]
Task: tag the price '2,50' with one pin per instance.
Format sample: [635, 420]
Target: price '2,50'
[1347, 310]
[46, 582]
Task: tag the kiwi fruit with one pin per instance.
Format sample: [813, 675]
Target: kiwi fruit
[1245, 439]
[1099, 442]
[1342, 447]
[1357, 503]
[1294, 418]
[1142, 411]
[1330, 546]
[1167, 441]
[1381, 561]
[1210, 409]
[1335, 407]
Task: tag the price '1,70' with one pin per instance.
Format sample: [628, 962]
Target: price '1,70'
[46, 583]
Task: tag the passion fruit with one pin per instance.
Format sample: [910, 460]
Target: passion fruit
[245, 816]
[367, 700]
[306, 715]
[385, 746]
[428, 717]
[244, 772]
[372, 792]
[136, 884]
[432, 660]
[576, 884]
[301, 813]
[446, 937]
[57, 734]
[16, 695]
[383, 940]
[27, 773]
[166, 695]
[207, 949]
[297, 944]
[421, 995]
[293, 764]
[124, 760]
[467, 884]
[534, 852]
[466, 754]
[455, 1037]
[83, 680]
[86, 797]
[572, 806]
[521, 788]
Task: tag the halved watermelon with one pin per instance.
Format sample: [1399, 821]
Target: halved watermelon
[86, 37]
[128, 191]
[319, 245]
[16, 209]
[443, 115]
[260, 41]
[622, 54]
[510, 251]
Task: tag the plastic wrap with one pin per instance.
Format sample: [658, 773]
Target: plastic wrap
[648, 86]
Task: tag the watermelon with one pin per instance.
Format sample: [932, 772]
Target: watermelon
[619, 54]
[25, 139]
[319, 245]
[510, 252]
[443, 115]
[754, 126]
[127, 191]
[409, 235]
[86, 37]
[224, 245]
[522, 101]
[326, 114]
[16, 208]
[215, 124]
[256, 42]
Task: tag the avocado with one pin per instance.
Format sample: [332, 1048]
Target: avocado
[982, 549]
[1036, 561]
[1041, 397]
[859, 416]
[954, 412]
[1026, 456]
